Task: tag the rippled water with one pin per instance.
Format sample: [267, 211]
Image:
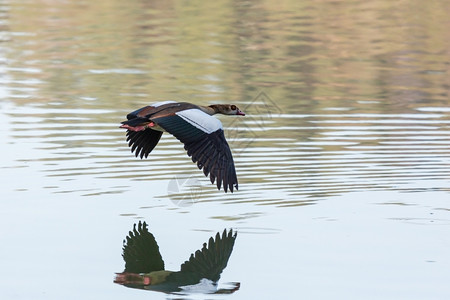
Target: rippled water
[344, 151]
[283, 159]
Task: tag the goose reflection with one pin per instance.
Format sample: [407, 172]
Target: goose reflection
[144, 266]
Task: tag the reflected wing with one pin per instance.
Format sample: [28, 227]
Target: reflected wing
[204, 140]
[143, 142]
[141, 252]
[211, 260]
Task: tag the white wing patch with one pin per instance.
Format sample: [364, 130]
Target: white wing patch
[201, 120]
[162, 103]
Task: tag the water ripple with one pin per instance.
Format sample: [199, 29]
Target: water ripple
[281, 165]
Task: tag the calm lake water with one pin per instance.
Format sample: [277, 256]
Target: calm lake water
[343, 158]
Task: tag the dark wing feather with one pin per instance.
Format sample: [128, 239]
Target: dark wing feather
[209, 150]
[139, 112]
[211, 260]
[141, 252]
[143, 142]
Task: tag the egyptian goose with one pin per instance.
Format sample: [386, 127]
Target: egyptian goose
[144, 266]
[200, 132]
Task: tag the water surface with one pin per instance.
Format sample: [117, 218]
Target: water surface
[342, 159]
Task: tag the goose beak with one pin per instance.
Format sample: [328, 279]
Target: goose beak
[240, 113]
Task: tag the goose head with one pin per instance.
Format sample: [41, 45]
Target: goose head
[227, 109]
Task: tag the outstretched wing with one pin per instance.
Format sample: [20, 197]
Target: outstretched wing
[204, 140]
[211, 260]
[143, 142]
[141, 252]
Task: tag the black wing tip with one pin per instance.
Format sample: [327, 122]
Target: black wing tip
[142, 143]
[231, 234]
[230, 185]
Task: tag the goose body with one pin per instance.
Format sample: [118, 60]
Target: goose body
[201, 133]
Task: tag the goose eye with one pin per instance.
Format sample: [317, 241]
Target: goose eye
[233, 107]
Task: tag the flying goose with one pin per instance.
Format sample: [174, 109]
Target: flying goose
[144, 266]
[194, 125]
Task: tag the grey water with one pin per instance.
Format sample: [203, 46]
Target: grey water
[342, 158]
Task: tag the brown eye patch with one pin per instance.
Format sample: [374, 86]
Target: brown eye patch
[233, 107]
